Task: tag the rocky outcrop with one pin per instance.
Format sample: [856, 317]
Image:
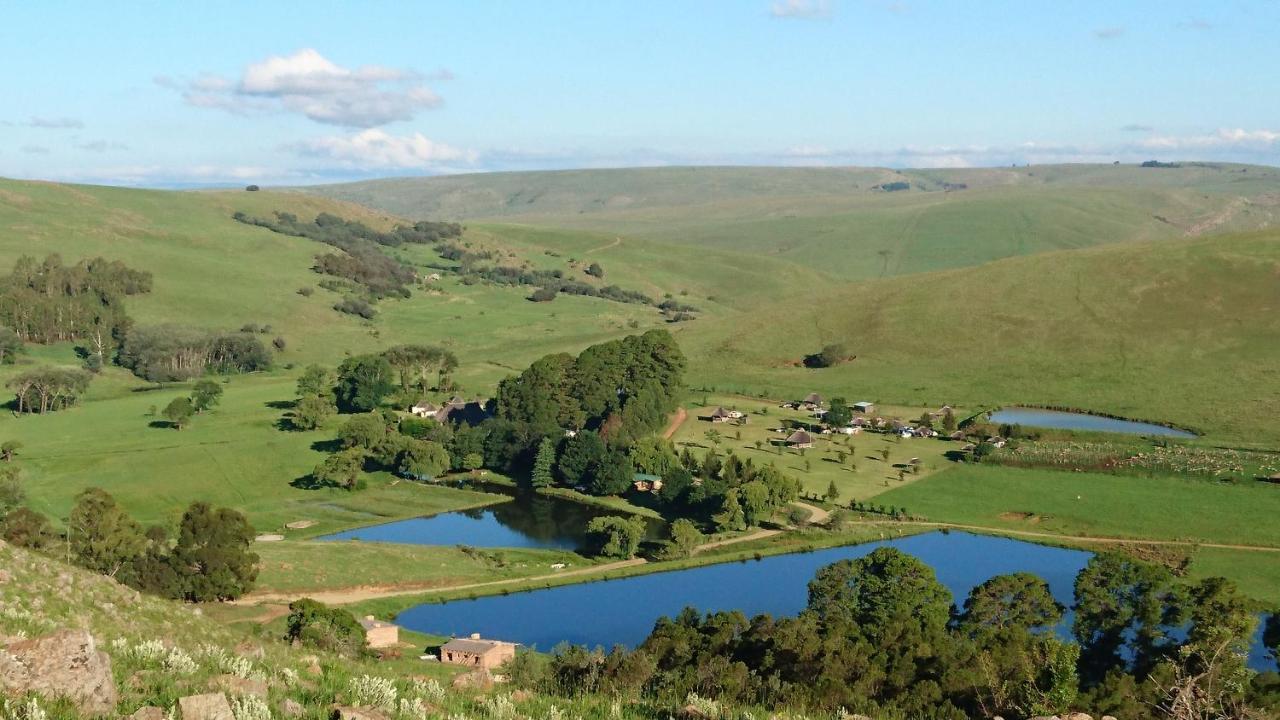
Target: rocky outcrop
[239, 686]
[478, 679]
[148, 712]
[213, 706]
[66, 663]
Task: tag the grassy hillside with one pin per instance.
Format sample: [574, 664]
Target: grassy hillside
[1179, 331]
[836, 220]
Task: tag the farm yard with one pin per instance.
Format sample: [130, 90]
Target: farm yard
[856, 464]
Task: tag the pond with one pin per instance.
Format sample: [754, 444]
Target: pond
[1082, 421]
[528, 520]
[624, 611]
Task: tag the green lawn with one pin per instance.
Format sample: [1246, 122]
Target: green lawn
[1070, 503]
[298, 566]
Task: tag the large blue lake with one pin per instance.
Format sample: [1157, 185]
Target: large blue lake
[1082, 421]
[624, 611]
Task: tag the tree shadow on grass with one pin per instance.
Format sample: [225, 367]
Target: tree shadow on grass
[327, 446]
[281, 404]
[309, 482]
[162, 424]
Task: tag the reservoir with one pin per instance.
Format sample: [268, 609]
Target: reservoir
[1082, 421]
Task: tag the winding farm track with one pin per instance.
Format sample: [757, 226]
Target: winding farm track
[1100, 539]
[616, 242]
[677, 419]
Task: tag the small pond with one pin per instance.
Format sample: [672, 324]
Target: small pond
[528, 520]
[623, 611]
[1082, 421]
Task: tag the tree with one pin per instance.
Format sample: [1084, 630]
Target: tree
[883, 590]
[10, 346]
[341, 469]
[316, 625]
[613, 475]
[757, 504]
[363, 382]
[833, 492]
[948, 421]
[367, 431]
[613, 536]
[312, 412]
[100, 534]
[685, 537]
[731, 516]
[211, 556]
[473, 461]
[1016, 601]
[884, 454]
[178, 412]
[594, 270]
[205, 394]
[316, 380]
[27, 528]
[423, 459]
[828, 356]
[1124, 607]
[839, 414]
[544, 464]
[582, 454]
[9, 449]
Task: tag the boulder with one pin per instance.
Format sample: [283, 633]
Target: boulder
[65, 663]
[1077, 716]
[348, 712]
[147, 712]
[291, 708]
[213, 706]
[479, 679]
[236, 685]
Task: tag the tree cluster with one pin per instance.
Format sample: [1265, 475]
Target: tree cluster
[48, 389]
[49, 301]
[173, 353]
[880, 637]
[208, 560]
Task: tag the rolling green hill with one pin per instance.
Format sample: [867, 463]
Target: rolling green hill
[1181, 331]
[842, 221]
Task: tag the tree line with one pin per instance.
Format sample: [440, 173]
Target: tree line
[880, 637]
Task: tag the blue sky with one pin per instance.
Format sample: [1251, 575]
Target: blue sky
[155, 93]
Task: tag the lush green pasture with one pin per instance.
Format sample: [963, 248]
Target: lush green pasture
[1091, 504]
[864, 474]
[300, 566]
[1257, 574]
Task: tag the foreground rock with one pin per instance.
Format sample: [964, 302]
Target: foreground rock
[66, 663]
[213, 706]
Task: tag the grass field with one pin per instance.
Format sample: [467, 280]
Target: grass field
[835, 220]
[1090, 504]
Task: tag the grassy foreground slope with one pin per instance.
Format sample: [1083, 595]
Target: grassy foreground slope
[1181, 331]
[839, 221]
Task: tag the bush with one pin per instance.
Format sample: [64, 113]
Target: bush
[307, 291]
[316, 625]
[546, 294]
[356, 306]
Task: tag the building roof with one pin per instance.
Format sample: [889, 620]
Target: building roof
[645, 477]
[424, 405]
[863, 403]
[473, 645]
[719, 412]
[800, 437]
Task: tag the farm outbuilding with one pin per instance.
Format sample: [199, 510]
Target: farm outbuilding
[477, 652]
[378, 634]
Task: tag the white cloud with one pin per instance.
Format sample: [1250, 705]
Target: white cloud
[377, 149]
[801, 9]
[1108, 33]
[55, 123]
[1229, 139]
[101, 146]
[310, 84]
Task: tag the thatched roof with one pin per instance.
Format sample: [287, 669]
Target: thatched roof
[800, 437]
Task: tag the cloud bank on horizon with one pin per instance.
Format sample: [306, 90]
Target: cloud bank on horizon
[797, 82]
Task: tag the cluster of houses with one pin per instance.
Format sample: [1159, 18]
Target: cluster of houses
[864, 418]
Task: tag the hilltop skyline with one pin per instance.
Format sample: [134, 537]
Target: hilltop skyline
[274, 94]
